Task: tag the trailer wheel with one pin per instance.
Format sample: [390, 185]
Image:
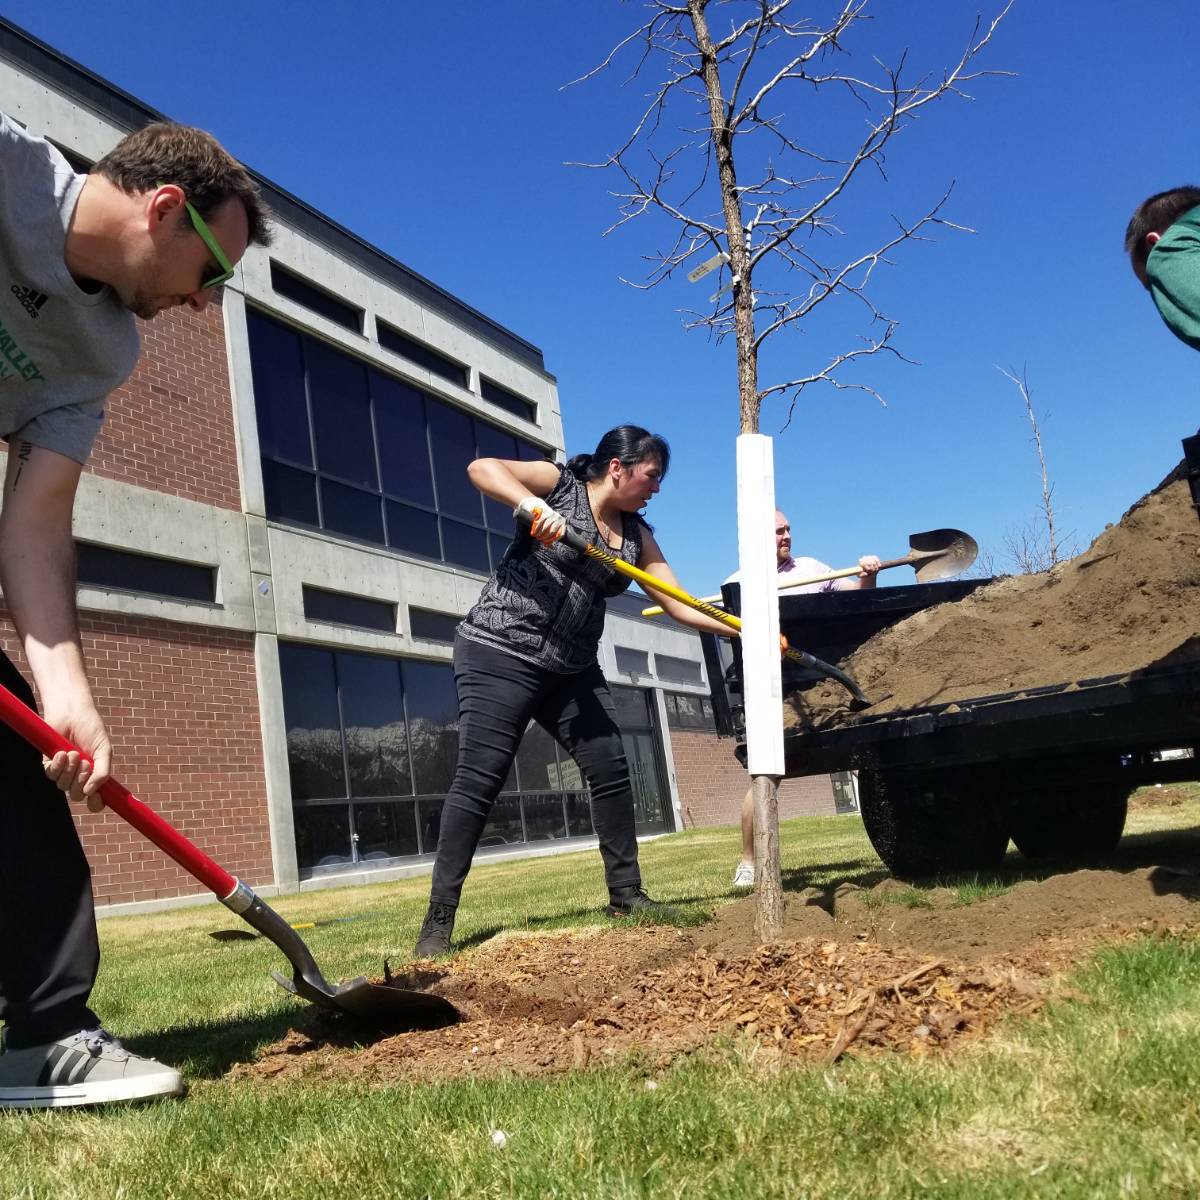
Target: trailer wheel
[931, 825]
[1083, 821]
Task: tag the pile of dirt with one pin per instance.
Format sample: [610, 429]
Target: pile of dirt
[1131, 600]
[855, 972]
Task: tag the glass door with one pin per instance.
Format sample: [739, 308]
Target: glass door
[643, 751]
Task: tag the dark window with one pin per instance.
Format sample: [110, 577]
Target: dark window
[413, 530]
[509, 401]
[384, 831]
[102, 566]
[403, 444]
[280, 405]
[339, 608]
[432, 724]
[351, 511]
[689, 712]
[417, 352]
[465, 545]
[373, 722]
[294, 287]
[495, 443]
[290, 494]
[314, 735]
[432, 626]
[452, 437]
[528, 452]
[341, 411]
[678, 670]
[323, 835]
[633, 707]
[365, 732]
[351, 450]
[632, 662]
[504, 827]
[579, 815]
[544, 817]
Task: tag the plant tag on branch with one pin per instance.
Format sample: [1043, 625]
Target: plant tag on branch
[707, 267]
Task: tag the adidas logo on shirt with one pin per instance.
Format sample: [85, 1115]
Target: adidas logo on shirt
[31, 299]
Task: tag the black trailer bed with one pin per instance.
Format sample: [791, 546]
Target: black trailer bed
[1152, 708]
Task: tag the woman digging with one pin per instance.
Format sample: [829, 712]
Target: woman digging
[528, 651]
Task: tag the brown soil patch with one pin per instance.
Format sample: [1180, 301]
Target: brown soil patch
[1132, 599]
[856, 972]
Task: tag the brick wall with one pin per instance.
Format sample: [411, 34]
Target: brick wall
[171, 427]
[181, 705]
[712, 783]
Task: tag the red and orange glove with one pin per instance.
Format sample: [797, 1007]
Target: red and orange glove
[546, 525]
[783, 645]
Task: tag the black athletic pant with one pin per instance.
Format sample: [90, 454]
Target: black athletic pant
[49, 954]
[498, 695]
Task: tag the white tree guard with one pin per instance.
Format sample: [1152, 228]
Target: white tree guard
[761, 687]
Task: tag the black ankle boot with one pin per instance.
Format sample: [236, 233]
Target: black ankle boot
[434, 938]
[633, 902]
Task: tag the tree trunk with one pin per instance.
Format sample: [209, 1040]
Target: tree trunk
[768, 913]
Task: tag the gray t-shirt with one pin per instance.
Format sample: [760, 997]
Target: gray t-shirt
[62, 350]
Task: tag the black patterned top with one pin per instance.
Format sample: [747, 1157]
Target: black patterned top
[545, 604]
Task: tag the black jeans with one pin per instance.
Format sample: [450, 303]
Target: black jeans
[49, 953]
[498, 695]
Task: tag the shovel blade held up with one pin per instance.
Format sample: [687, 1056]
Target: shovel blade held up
[941, 553]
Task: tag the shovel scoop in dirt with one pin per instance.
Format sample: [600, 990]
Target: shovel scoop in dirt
[381, 1006]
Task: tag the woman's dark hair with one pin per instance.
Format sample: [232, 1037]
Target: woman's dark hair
[628, 444]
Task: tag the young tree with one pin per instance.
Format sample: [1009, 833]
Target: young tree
[1039, 544]
[757, 132]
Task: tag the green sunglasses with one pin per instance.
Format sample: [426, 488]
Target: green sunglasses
[213, 245]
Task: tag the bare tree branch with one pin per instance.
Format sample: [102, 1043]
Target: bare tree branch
[733, 100]
[1036, 546]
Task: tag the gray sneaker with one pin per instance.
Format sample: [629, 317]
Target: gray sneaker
[90, 1067]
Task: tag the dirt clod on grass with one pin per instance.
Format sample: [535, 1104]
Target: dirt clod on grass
[1129, 601]
[857, 972]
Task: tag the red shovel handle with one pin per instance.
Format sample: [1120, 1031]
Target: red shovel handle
[121, 800]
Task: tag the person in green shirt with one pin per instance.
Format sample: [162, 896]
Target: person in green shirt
[1163, 243]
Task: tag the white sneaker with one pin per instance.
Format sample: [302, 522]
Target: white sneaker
[89, 1067]
[743, 877]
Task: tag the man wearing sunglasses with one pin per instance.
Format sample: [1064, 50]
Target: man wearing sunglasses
[159, 222]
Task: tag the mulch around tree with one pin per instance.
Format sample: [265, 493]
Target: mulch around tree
[856, 973]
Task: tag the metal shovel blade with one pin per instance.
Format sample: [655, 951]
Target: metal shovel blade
[378, 1005]
[941, 553]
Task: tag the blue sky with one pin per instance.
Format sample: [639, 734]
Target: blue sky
[440, 133]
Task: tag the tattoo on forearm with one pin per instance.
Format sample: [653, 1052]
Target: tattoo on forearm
[24, 450]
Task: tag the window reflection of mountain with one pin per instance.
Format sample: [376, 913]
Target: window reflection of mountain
[315, 762]
[378, 756]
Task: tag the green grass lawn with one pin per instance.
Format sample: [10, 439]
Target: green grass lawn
[1097, 1096]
